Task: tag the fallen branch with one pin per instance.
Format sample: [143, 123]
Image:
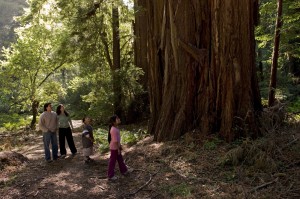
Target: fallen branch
[141, 187]
[290, 143]
[293, 164]
[264, 185]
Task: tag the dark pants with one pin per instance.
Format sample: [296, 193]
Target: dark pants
[114, 156]
[66, 133]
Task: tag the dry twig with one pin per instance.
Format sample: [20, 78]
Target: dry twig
[141, 187]
[263, 185]
[290, 143]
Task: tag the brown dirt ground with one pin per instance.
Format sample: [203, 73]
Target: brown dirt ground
[177, 169]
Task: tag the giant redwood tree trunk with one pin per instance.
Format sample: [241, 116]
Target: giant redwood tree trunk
[201, 68]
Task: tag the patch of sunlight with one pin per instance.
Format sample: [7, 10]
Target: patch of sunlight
[68, 185]
[156, 145]
[212, 190]
[129, 3]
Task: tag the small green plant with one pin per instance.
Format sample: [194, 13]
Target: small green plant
[212, 144]
[230, 176]
[237, 142]
[13, 122]
[100, 136]
[129, 138]
[180, 190]
[294, 106]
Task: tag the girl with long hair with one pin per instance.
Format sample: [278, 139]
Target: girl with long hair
[115, 147]
[65, 131]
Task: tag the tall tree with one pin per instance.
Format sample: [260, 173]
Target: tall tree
[32, 60]
[116, 61]
[202, 68]
[139, 108]
[140, 43]
[274, 66]
[289, 37]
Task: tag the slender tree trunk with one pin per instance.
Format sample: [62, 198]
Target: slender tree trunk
[34, 106]
[273, 82]
[116, 62]
[202, 70]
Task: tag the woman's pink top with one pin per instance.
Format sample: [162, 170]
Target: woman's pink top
[115, 138]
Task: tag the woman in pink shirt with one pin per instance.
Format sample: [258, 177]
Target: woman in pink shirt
[114, 140]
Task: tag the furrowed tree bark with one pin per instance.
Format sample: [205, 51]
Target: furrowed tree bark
[273, 80]
[202, 68]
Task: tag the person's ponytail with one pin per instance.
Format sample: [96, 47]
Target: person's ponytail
[111, 122]
[109, 135]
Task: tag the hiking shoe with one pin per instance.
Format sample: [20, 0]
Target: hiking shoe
[114, 178]
[129, 170]
[88, 161]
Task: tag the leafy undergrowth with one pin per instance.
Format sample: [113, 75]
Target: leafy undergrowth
[191, 167]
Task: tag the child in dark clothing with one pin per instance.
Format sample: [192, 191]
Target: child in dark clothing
[87, 139]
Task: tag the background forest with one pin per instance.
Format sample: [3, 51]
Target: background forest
[82, 54]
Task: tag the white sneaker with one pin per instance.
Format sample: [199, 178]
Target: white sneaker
[62, 156]
[114, 178]
[130, 170]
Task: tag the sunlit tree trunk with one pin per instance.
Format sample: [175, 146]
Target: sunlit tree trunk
[273, 82]
[202, 68]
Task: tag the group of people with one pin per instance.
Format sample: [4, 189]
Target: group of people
[51, 122]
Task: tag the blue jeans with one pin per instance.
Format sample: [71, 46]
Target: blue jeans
[47, 138]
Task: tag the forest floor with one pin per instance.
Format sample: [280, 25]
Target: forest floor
[268, 167]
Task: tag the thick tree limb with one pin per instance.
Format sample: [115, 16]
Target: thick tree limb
[47, 76]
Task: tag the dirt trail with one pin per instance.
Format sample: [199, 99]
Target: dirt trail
[65, 178]
[177, 169]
